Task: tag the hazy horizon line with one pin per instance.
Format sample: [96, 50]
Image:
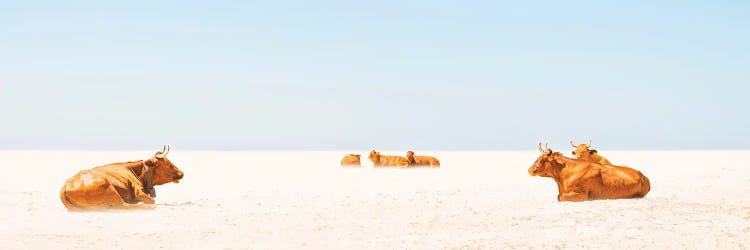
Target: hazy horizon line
[276, 149]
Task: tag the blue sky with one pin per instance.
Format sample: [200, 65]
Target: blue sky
[423, 75]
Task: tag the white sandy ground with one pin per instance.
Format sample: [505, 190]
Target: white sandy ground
[290, 200]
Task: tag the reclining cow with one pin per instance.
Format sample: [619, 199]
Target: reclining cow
[351, 160]
[119, 185]
[421, 160]
[584, 152]
[387, 160]
[580, 180]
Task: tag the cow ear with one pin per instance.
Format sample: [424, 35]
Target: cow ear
[592, 151]
[152, 162]
[556, 157]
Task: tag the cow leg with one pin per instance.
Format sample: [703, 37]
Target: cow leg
[110, 199]
[91, 194]
[143, 196]
[137, 206]
[573, 196]
[148, 202]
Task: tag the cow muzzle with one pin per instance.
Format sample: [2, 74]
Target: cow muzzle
[177, 177]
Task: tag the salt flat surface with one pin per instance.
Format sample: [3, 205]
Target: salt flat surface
[290, 200]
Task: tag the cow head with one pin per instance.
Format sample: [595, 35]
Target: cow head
[162, 170]
[374, 156]
[546, 163]
[410, 156]
[583, 151]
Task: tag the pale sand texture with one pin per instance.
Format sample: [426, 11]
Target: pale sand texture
[288, 200]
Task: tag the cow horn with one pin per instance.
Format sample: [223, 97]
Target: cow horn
[589, 143]
[546, 149]
[164, 152]
[571, 144]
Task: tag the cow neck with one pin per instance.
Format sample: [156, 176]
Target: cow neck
[556, 170]
[148, 182]
[144, 173]
[558, 167]
[412, 159]
[376, 160]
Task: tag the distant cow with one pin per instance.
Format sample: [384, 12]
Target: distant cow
[580, 180]
[387, 160]
[351, 160]
[420, 160]
[584, 152]
[120, 185]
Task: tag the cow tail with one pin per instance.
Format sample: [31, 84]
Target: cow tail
[66, 202]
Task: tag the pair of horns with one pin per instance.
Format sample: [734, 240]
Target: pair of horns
[546, 149]
[571, 143]
[163, 153]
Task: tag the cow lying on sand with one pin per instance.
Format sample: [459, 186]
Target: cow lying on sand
[420, 160]
[351, 160]
[387, 160]
[580, 180]
[584, 152]
[119, 185]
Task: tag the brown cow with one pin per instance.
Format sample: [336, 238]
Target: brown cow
[351, 160]
[387, 160]
[420, 160]
[580, 180]
[120, 185]
[584, 152]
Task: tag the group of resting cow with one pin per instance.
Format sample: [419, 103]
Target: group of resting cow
[128, 185]
[379, 160]
[590, 176]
